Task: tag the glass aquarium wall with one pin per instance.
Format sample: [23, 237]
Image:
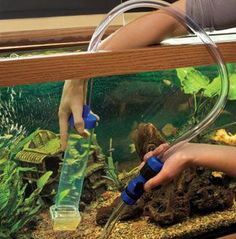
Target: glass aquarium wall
[137, 113]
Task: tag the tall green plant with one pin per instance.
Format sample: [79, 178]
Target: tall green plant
[17, 210]
[111, 170]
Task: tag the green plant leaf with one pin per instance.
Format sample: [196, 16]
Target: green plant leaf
[63, 194]
[2, 161]
[16, 211]
[44, 179]
[232, 89]
[231, 68]
[214, 87]
[192, 80]
[21, 169]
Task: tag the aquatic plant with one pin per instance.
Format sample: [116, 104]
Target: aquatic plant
[193, 82]
[8, 145]
[9, 123]
[112, 171]
[26, 108]
[16, 209]
[203, 89]
[214, 87]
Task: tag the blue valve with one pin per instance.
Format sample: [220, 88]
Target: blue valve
[135, 188]
[90, 120]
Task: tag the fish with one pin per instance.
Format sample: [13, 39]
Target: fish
[167, 82]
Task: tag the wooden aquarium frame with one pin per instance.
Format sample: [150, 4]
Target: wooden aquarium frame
[38, 39]
[39, 69]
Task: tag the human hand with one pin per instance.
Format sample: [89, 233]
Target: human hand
[72, 101]
[174, 164]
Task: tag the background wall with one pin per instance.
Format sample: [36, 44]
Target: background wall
[42, 8]
[45, 8]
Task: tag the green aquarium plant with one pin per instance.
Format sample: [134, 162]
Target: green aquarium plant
[16, 209]
[204, 89]
[194, 82]
[112, 171]
[214, 87]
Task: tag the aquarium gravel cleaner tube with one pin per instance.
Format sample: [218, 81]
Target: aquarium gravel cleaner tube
[134, 190]
[65, 213]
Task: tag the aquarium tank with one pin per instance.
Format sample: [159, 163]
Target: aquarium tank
[50, 193]
[137, 113]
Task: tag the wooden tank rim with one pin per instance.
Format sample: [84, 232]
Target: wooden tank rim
[39, 69]
[35, 39]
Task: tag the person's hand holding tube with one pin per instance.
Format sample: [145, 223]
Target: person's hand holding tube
[216, 157]
[72, 101]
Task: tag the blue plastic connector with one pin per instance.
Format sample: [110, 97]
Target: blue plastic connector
[135, 188]
[90, 120]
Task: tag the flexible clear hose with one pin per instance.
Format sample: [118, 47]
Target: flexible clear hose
[198, 31]
[210, 46]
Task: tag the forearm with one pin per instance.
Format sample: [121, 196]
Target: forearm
[216, 157]
[147, 30]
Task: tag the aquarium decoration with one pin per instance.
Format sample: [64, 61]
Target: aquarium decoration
[37, 147]
[42, 150]
[224, 137]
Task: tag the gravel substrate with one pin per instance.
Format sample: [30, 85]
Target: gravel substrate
[137, 229]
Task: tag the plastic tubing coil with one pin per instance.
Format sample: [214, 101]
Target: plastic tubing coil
[198, 31]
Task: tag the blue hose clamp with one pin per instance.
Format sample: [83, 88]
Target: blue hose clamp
[90, 120]
[135, 188]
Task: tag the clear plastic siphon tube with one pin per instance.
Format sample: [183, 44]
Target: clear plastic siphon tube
[198, 31]
[210, 46]
[65, 212]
